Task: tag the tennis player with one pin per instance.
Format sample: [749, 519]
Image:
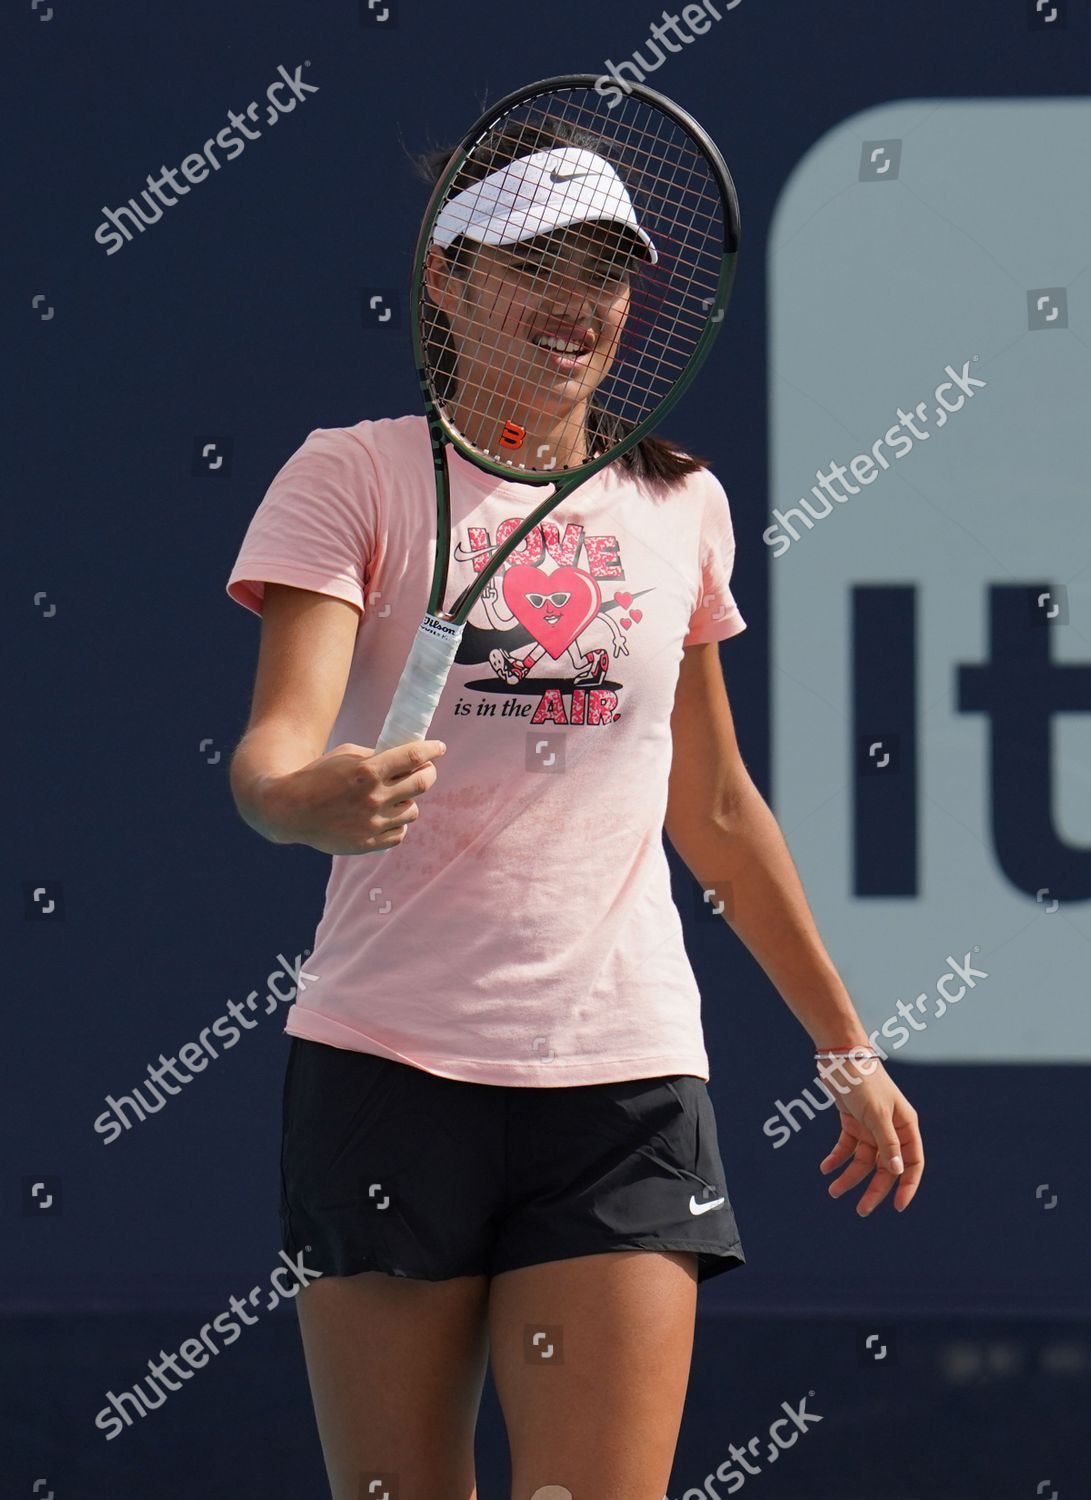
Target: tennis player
[497, 1137]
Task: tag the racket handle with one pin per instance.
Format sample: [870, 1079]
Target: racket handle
[422, 680]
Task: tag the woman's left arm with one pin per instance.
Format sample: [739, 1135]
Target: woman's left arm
[727, 836]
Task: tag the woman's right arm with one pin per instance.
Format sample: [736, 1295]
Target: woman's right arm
[349, 800]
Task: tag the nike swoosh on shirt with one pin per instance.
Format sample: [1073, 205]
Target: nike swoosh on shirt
[703, 1208]
[464, 554]
[570, 176]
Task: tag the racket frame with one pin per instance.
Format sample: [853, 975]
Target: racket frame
[438, 431]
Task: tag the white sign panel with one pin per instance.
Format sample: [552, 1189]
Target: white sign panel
[929, 533]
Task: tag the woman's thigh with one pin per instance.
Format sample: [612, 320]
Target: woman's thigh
[591, 1360]
[396, 1367]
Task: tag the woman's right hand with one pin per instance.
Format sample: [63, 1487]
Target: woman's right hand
[352, 800]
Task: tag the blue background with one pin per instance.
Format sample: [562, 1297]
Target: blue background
[238, 317]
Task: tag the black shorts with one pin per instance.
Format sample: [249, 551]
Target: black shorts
[387, 1167]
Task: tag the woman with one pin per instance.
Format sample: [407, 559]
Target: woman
[497, 1135]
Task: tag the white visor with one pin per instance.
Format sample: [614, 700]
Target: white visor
[536, 194]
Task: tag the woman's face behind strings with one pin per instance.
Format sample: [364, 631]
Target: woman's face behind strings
[535, 328]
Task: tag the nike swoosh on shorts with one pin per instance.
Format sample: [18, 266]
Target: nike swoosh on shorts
[703, 1208]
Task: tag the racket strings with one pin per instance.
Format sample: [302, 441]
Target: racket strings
[676, 200]
[683, 265]
[639, 146]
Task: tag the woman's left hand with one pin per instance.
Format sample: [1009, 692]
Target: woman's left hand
[879, 1132]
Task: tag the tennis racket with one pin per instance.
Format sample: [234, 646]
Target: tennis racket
[633, 201]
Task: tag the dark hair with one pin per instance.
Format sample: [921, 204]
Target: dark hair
[653, 459]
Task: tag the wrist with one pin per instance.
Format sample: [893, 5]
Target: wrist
[839, 1038]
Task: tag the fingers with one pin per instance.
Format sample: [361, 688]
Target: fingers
[840, 1153]
[887, 1161]
[890, 1150]
[383, 789]
[898, 1158]
[402, 760]
[863, 1164]
[408, 772]
[913, 1154]
[877, 1189]
[910, 1180]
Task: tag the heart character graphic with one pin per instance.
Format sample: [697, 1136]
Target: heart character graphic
[535, 599]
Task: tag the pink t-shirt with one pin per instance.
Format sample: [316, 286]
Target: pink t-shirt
[524, 931]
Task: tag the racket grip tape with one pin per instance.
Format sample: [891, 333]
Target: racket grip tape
[422, 681]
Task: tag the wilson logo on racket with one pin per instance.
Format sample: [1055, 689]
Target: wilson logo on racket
[512, 435]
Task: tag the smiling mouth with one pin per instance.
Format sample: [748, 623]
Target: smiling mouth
[565, 350]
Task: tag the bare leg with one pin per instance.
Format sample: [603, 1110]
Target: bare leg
[396, 1366]
[603, 1424]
